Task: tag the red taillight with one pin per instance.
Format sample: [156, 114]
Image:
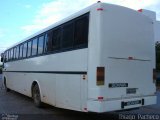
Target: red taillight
[99, 9]
[130, 58]
[85, 109]
[100, 75]
[100, 98]
[154, 75]
[140, 10]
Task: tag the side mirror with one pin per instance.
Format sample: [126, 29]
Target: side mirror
[1, 57]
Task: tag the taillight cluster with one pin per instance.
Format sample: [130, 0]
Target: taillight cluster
[100, 75]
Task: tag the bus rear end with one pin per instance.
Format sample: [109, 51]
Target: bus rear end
[121, 66]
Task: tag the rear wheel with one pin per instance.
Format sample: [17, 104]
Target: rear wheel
[36, 96]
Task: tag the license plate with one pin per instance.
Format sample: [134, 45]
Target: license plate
[132, 102]
[129, 103]
[131, 90]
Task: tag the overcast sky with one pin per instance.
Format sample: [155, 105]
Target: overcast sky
[21, 18]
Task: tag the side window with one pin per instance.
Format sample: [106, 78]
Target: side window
[6, 56]
[81, 31]
[21, 51]
[15, 49]
[48, 41]
[24, 50]
[11, 54]
[29, 49]
[40, 44]
[56, 39]
[44, 47]
[17, 52]
[67, 37]
[34, 46]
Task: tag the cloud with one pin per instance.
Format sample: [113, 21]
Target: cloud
[51, 13]
[58, 9]
[137, 4]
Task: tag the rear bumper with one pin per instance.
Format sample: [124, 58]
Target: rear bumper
[113, 105]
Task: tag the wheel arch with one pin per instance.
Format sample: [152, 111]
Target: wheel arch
[4, 80]
[33, 84]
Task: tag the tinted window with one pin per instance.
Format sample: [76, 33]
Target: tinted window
[72, 34]
[6, 54]
[67, 38]
[24, 50]
[21, 51]
[48, 42]
[81, 31]
[17, 52]
[45, 43]
[56, 39]
[40, 44]
[34, 47]
[11, 54]
[15, 49]
[29, 49]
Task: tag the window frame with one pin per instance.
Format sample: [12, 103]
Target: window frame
[29, 41]
[77, 19]
[65, 24]
[25, 43]
[48, 49]
[21, 51]
[41, 35]
[44, 34]
[15, 50]
[60, 41]
[35, 38]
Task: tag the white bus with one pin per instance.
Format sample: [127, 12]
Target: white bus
[99, 59]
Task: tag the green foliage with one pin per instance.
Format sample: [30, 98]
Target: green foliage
[158, 60]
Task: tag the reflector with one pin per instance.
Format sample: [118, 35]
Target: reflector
[140, 10]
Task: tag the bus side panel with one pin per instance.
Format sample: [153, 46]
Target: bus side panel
[22, 83]
[58, 75]
[11, 81]
[48, 92]
[64, 90]
[19, 82]
[68, 91]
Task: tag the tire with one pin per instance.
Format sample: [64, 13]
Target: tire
[7, 89]
[5, 86]
[36, 96]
